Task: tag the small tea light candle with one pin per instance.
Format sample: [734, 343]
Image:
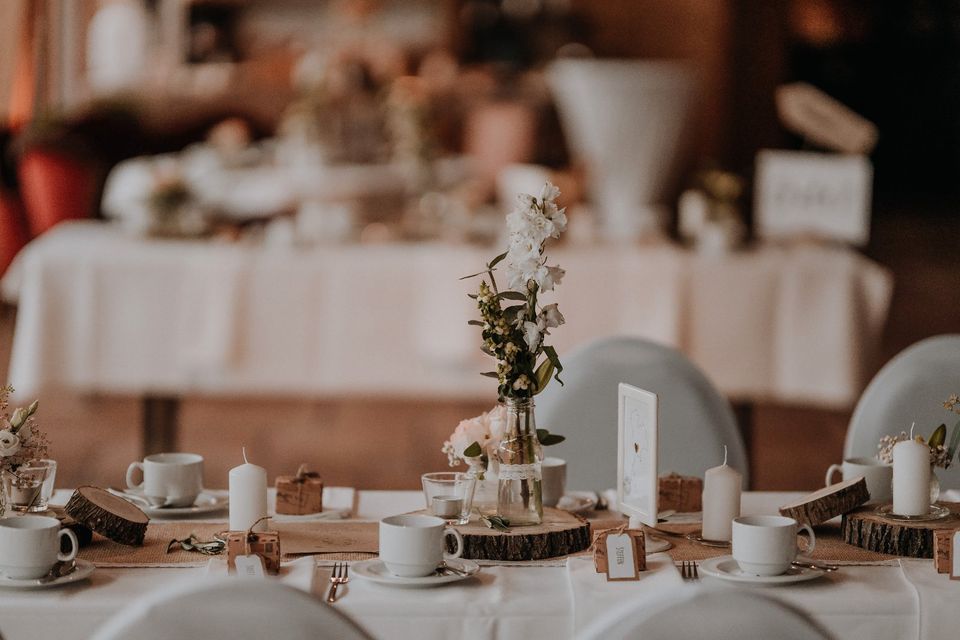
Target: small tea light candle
[911, 477]
[721, 500]
[248, 496]
[447, 506]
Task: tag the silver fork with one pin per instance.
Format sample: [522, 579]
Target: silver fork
[688, 570]
[340, 576]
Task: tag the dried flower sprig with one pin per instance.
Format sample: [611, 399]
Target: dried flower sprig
[941, 451]
[21, 439]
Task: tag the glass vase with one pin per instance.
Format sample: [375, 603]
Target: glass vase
[519, 498]
[485, 493]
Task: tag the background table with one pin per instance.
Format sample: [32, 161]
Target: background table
[100, 311]
[900, 602]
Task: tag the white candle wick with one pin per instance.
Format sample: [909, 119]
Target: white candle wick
[724, 455]
[245, 461]
[912, 425]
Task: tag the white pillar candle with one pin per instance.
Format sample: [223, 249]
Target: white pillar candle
[248, 496]
[721, 500]
[911, 477]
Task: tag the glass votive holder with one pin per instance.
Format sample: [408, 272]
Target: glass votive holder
[449, 495]
[27, 489]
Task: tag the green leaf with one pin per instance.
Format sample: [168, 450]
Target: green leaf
[954, 442]
[542, 375]
[473, 275]
[512, 295]
[475, 323]
[496, 261]
[496, 522]
[938, 437]
[551, 353]
[548, 439]
[472, 451]
[491, 374]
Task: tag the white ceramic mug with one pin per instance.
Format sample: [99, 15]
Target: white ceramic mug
[879, 476]
[766, 545]
[169, 479]
[413, 545]
[30, 546]
[553, 480]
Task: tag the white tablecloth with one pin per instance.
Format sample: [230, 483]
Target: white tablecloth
[868, 602]
[103, 312]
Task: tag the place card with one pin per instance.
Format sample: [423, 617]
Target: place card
[638, 431]
[620, 553]
[250, 566]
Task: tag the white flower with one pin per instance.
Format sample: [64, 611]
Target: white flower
[531, 335]
[549, 192]
[553, 278]
[9, 443]
[551, 316]
[497, 423]
[467, 432]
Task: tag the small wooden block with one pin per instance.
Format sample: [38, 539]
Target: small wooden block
[265, 544]
[299, 495]
[108, 515]
[942, 543]
[680, 493]
[602, 563]
[829, 502]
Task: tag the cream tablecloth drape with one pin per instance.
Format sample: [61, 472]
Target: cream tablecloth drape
[868, 603]
[100, 311]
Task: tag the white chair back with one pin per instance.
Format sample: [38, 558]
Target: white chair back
[695, 420]
[697, 613]
[910, 388]
[229, 609]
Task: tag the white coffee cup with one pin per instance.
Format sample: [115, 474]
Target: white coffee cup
[169, 479]
[413, 545]
[30, 546]
[766, 545]
[879, 476]
[553, 474]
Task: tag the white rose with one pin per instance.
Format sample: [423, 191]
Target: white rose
[497, 423]
[468, 432]
[9, 443]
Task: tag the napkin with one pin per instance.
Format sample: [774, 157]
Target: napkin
[937, 594]
[594, 597]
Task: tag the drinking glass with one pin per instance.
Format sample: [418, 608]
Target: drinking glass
[23, 489]
[449, 495]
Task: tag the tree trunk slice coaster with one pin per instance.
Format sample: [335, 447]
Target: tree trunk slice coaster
[108, 515]
[829, 502]
[560, 534]
[867, 529]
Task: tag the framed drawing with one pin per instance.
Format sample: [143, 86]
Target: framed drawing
[638, 419]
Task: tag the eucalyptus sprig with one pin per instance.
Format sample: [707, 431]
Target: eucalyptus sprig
[496, 522]
[193, 543]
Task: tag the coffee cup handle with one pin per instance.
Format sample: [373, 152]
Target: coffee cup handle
[829, 479]
[74, 546]
[130, 471]
[450, 531]
[811, 539]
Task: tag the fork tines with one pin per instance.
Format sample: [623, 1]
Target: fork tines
[689, 571]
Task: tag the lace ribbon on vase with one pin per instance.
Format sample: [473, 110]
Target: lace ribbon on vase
[519, 472]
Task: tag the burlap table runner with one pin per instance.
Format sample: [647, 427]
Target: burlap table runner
[341, 540]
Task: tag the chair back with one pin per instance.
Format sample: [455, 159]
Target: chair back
[910, 388]
[695, 420]
[696, 613]
[229, 609]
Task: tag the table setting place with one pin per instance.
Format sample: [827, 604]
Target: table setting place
[500, 547]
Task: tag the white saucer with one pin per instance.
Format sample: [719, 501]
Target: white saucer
[375, 571]
[81, 572]
[209, 501]
[655, 544]
[577, 501]
[726, 568]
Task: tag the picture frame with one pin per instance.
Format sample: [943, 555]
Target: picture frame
[637, 456]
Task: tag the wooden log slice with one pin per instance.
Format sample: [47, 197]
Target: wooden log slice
[829, 502]
[561, 533]
[108, 515]
[865, 529]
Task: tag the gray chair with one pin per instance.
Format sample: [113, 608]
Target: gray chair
[910, 388]
[697, 613]
[229, 609]
[695, 420]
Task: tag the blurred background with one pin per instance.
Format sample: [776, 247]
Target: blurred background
[360, 137]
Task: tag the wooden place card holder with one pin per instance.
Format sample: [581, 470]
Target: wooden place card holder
[620, 553]
[263, 544]
[946, 552]
[300, 494]
[683, 494]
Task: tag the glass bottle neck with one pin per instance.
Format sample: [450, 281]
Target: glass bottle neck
[520, 417]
